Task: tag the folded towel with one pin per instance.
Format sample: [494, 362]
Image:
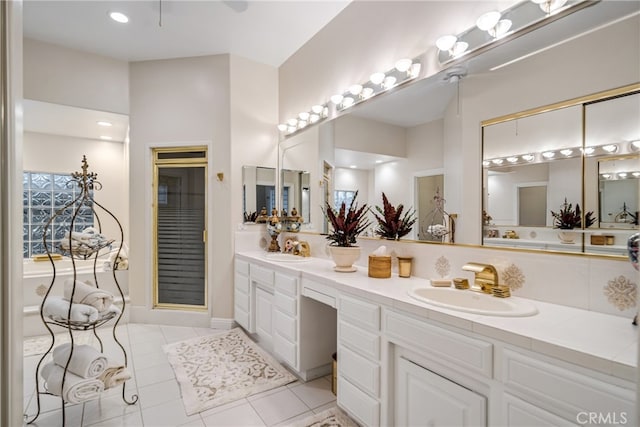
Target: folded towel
[112, 309]
[76, 389]
[86, 361]
[87, 293]
[57, 308]
[114, 375]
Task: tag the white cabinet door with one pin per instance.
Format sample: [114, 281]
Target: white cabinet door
[423, 398]
[264, 316]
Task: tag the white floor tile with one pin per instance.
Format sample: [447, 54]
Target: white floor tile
[314, 393]
[73, 417]
[224, 407]
[280, 406]
[106, 408]
[155, 394]
[324, 407]
[170, 414]
[239, 415]
[131, 420]
[153, 375]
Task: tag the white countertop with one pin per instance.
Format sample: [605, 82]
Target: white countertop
[598, 341]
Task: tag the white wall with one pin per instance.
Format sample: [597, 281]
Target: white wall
[70, 77]
[63, 154]
[181, 101]
[369, 136]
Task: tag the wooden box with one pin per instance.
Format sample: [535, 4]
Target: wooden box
[379, 267]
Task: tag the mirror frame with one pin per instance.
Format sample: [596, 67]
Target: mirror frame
[579, 101]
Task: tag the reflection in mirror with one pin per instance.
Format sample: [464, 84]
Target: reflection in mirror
[296, 193]
[532, 163]
[258, 191]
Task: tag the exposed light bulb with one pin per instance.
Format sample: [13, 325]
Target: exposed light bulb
[415, 69]
[347, 102]
[104, 123]
[610, 148]
[488, 20]
[606, 175]
[314, 118]
[635, 174]
[500, 29]
[635, 144]
[550, 6]
[119, 17]
[366, 92]
[355, 89]
[589, 150]
[291, 129]
[486, 163]
[282, 127]
[445, 43]
[302, 124]
[622, 174]
[292, 122]
[566, 152]
[389, 82]
[317, 109]
[459, 48]
[304, 116]
[403, 65]
[548, 154]
[377, 78]
[528, 157]
[512, 159]
[497, 161]
[337, 98]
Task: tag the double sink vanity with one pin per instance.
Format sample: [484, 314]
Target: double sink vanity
[412, 354]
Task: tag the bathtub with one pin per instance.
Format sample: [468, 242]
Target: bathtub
[37, 277]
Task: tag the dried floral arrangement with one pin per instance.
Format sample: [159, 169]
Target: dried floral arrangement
[347, 224]
[250, 216]
[568, 218]
[392, 224]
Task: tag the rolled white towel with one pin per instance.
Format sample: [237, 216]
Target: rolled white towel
[112, 309]
[114, 375]
[86, 361]
[87, 293]
[76, 389]
[57, 308]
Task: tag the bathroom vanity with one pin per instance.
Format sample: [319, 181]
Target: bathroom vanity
[402, 361]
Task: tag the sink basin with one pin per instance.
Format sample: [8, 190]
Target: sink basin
[282, 257]
[473, 302]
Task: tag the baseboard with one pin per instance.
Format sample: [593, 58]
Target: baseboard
[142, 314]
[222, 323]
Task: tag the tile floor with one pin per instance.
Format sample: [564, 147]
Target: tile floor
[159, 402]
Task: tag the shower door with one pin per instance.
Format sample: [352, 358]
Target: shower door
[180, 195]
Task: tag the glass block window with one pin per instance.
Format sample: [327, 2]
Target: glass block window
[340, 196]
[43, 194]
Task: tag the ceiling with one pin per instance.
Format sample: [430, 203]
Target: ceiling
[268, 32]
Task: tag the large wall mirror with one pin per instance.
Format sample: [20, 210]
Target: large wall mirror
[541, 166]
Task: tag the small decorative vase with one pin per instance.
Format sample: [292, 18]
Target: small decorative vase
[344, 257]
[567, 236]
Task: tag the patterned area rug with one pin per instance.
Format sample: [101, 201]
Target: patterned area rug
[38, 345]
[217, 369]
[332, 417]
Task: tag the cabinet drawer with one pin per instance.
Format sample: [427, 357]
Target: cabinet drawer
[364, 314]
[319, 292]
[286, 303]
[365, 343]
[562, 390]
[241, 300]
[241, 283]
[287, 284]
[363, 408]
[518, 413]
[285, 326]
[286, 350]
[360, 371]
[242, 267]
[461, 350]
[261, 274]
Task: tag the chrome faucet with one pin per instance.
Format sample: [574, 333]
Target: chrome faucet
[486, 276]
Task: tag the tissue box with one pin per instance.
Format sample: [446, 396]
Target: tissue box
[379, 267]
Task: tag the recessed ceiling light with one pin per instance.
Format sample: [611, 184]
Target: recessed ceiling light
[106, 138]
[104, 123]
[119, 17]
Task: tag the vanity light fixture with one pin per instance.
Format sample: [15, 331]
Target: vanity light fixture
[589, 151]
[291, 129]
[389, 82]
[566, 152]
[282, 127]
[104, 123]
[292, 122]
[497, 161]
[622, 174]
[548, 154]
[512, 159]
[119, 17]
[302, 124]
[635, 174]
[347, 102]
[528, 157]
[314, 118]
[610, 148]
[486, 163]
[404, 65]
[317, 108]
[367, 92]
